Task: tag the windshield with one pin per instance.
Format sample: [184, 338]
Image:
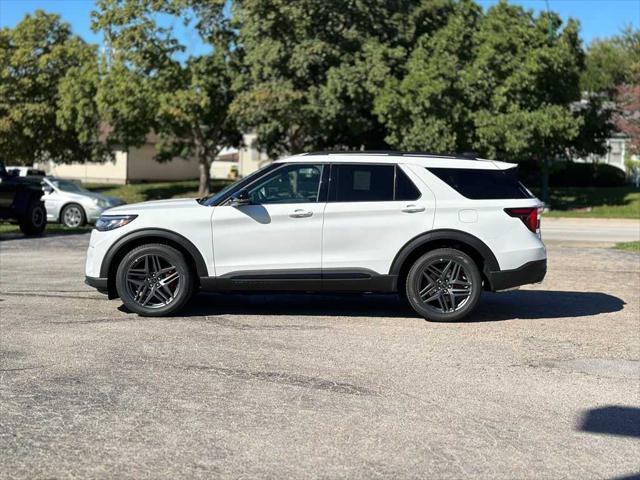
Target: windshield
[234, 187]
[67, 186]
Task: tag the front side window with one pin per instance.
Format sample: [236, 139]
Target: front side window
[67, 186]
[363, 183]
[290, 184]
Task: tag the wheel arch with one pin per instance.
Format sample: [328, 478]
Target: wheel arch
[445, 238]
[125, 244]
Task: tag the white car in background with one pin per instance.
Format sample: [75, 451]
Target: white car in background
[73, 206]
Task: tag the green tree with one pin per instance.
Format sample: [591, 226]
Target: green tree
[497, 83]
[612, 62]
[151, 82]
[312, 69]
[43, 66]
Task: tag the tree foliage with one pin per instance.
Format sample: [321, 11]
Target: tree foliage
[43, 112]
[151, 81]
[500, 83]
[438, 75]
[612, 62]
[312, 69]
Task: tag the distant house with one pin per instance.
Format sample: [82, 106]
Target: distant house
[234, 162]
[138, 165]
[616, 153]
[618, 144]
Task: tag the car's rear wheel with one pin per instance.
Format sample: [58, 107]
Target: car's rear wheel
[444, 285]
[73, 216]
[154, 280]
[35, 219]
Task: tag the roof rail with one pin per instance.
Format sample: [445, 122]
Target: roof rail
[399, 153]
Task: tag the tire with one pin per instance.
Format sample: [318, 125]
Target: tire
[142, 292]
[35, 219]
[454, 291]
[73, 216]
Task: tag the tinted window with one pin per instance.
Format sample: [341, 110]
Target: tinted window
[290, 184]
[483, 184]
[226, 192]
[405, 189]
[363, 183]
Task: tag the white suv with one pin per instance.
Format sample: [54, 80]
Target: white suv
[435, 229]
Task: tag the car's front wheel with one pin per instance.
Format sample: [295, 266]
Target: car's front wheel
[444, 285]
[154, 280]
[73, 216]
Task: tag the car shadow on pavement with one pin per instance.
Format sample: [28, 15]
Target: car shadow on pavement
[521, 304]
[612, 420]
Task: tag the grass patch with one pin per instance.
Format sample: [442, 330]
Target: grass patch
[628, 246]
[590, 202]
[52, 228]
[142, 192]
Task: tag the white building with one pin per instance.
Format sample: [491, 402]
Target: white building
[616, 153]
[138, 165]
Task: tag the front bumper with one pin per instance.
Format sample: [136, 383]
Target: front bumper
[93, 213]
[531, 272]
[100, 284]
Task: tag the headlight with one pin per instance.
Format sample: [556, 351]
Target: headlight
[101, 202]
[110, 222]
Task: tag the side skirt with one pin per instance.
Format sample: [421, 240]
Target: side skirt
[307, 280]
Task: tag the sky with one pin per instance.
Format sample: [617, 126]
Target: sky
[598, 18]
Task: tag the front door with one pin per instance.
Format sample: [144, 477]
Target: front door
[278, 236]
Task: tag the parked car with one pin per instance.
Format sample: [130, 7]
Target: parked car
[73, 206]
[435, 229]
[20, 202]
[25, 171]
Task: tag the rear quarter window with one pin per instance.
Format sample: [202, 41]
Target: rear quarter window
[477, 184]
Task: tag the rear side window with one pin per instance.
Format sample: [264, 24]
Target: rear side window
[363, 183]
[483, 184]
[405, 188]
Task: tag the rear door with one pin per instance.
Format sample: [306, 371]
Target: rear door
[372, 211]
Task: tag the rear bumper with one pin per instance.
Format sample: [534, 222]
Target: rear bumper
[531, 272]
[100, 284]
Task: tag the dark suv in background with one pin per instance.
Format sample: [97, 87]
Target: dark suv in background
[21, 202]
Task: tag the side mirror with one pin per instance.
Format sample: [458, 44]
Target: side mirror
[240, 198]
[47, 189]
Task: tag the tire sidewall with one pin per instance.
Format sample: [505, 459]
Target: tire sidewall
[176, 258]
[27, 226]
[416, 271]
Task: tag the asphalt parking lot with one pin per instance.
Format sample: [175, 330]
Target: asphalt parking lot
[542, 383]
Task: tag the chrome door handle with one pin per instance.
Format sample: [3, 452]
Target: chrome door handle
[413, 209]
[299, 213]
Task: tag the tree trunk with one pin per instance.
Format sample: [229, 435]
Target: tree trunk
[204, 164]
[545, 181]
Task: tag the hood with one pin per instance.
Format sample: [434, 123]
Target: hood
[80, 196]
[173, 204]
[100, 196]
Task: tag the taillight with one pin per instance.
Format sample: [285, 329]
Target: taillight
[529, 216]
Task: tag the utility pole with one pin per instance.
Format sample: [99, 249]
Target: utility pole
[546, 161]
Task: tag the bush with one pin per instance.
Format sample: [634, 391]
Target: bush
[570, 174]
